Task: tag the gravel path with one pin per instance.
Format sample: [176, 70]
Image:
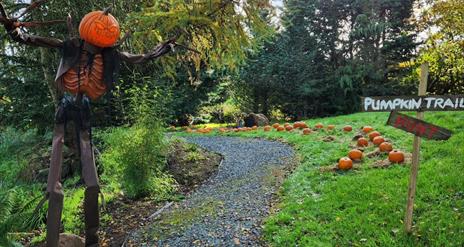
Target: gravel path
[227, 210]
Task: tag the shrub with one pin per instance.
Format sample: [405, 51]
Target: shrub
[136, 156]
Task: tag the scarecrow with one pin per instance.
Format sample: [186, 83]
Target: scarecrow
[88, 68]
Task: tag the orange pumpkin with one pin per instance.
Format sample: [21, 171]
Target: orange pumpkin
[303, 125]
[378, 140]
[363, 142]
[330, 127]
[296, 125]
[345, 163]
[385, 147]
[188, 130]
[367, 129]
[373, 135]
[396, 156]
[280, 128]
[319, 126]
[355, 154]
[254, 127]
[286, 124]
[306, 131]
[99, 29]
[289, 128]
[347, 128]
[276, 125]
[267, 128]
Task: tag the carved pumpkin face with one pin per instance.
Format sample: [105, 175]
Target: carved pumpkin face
[99, 29]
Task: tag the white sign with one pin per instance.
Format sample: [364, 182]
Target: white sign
[424, 103]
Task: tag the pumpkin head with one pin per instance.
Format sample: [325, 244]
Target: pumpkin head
[306, 131]
[378, 140]
[363, 142]
[396, 156]
[373, 135]
[367, 129]
[99, 29]
[345, 163]
[385, 147]
[347, 128]
[355, 154]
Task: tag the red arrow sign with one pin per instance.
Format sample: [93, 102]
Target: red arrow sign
[418, 127]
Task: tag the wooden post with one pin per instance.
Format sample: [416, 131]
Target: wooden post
[415, 154]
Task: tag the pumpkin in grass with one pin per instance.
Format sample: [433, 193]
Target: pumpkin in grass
[347, 128]
[254, 127]
[396, 156]
[276, 125]
[99, 29]
[288, 128]
[355, 154]
[330, 127]
[296, 125]
[378, 140]
[267, 128]
[373, 135]
[363, 142]
[319, 126]
[385, 147]
[367, 129]
[303, 125]
[188, 130]
[306, 131]
[280, 128]
[345, 163]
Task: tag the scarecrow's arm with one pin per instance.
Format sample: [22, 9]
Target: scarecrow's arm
[159, 51]
[17, 35]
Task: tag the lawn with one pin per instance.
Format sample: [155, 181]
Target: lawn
[366, 207]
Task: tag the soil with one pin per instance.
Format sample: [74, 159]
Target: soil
[190, 166]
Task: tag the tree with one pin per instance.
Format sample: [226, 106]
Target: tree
[443, 49]
[331, 52]
[218, 31]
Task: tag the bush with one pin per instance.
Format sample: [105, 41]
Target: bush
[136, 157]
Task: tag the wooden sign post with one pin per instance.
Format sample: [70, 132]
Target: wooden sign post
[417, 126]
[415, 154]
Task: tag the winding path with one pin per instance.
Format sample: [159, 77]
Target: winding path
[228, 209]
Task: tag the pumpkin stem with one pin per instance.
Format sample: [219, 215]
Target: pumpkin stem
[107, 10]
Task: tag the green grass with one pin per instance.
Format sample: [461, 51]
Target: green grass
[366, 207]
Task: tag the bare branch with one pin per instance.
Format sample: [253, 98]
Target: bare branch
[31, 7]
[69, 23]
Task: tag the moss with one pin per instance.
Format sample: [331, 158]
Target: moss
[182, 218]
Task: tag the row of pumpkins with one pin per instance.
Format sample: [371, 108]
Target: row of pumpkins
[394, 156]
[345, 163]
[277, 127]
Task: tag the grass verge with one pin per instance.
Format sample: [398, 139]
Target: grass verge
[366, 207]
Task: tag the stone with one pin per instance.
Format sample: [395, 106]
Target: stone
[71, 240]
[256, 120]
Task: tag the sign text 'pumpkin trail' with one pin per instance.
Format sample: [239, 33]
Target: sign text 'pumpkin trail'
[414, 103]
